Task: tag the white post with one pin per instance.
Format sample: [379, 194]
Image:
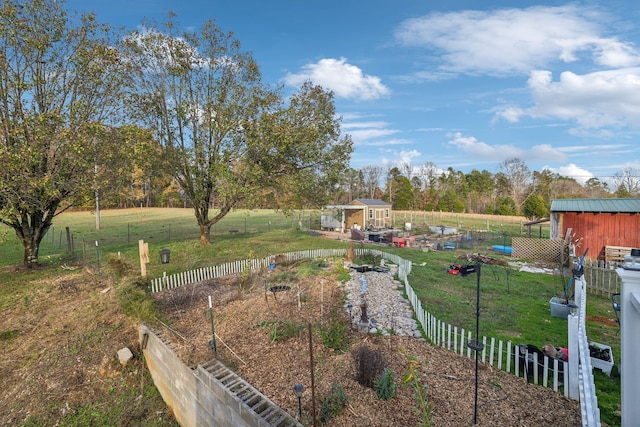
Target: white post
[574, 357]
[630, 345]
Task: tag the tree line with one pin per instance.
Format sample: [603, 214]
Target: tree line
[513, 190]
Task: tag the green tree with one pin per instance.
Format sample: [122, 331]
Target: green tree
[542, 183]
[481, 189]
[297, 152]
[227, 137]
[393, 173]
[534, 207]
[450, 202]
[60, 89]
[506, 206]
[404, 194]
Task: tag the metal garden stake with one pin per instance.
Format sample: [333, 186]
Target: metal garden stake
[212, 343]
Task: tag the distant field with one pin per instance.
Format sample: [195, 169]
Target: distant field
[121, 229]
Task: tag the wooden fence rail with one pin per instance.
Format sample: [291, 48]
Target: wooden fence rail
[601, 277]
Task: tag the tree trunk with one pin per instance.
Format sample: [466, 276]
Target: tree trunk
[31, 236]
[205, 234]
[30, 230]
[31, 249]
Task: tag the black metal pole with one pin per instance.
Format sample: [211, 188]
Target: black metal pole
[477, 347]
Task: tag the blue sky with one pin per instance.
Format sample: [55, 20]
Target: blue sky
[461, 84]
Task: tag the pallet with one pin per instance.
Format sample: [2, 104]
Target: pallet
[616, 253]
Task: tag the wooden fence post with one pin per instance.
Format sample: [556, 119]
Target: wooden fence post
[143, 248]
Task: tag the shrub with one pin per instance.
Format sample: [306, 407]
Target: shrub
[369, 365]
[334, 403]
[369, 259]
[135, 301]
[343, 272]
[385, 385]
[119, 266]
[334, 335]
[281, 330]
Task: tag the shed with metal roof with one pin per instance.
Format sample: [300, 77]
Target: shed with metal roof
[597, 223]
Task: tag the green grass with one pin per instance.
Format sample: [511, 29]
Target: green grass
[120, 231]
[514, 305]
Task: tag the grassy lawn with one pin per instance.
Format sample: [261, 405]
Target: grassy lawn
[514, 304]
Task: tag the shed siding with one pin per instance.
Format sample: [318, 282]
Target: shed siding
[597, 230]
[353, 217]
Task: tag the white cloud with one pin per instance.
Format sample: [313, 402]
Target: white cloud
[515, 41]
[396, 158]
[365, 132]
[479, 150]
[596, 100]
[573, 171]
[360, 125]
[364, 136]
[345, 80]
[407, 156]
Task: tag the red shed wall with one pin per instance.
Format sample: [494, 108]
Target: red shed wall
[598, 230]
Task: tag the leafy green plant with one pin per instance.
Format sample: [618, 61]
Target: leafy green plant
[385, 385]
[282, 330]
[8, 335]
[285, 276]
[334, 403]
[420, 391]
[134, 299]
[369, 365]
[118, 266]
[369, 259]
[334, 335]
[343, 272]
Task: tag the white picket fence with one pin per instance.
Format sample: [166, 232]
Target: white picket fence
[510, 358]
[236, 267]
[586, 383]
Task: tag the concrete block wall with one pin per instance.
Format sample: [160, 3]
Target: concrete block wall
[211, 395]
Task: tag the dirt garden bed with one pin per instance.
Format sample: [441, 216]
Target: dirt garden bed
[264, 337]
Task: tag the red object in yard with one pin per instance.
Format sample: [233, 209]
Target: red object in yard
[454, 269]
[565, 351]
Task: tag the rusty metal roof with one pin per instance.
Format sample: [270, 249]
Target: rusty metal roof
[596, 205]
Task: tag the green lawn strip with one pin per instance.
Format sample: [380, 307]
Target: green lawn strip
[517, 311]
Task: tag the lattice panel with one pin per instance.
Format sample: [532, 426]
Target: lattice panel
[540, 249]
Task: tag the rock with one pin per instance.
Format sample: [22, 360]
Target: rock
[383, 296]
[124, 355]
